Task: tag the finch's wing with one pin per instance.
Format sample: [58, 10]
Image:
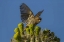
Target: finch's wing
[25, 12]
[39, 13]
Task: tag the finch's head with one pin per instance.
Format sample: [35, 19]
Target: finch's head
[38, 20]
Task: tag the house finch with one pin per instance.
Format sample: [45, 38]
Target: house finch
[28, 17]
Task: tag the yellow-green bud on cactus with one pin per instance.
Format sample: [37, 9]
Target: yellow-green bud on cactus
[31, 27]
[37, 30]
[31, 32]
[16, 35]
[20, 26]
[27, 30]
[16, 30]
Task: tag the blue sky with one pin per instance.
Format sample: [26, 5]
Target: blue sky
[52, 17]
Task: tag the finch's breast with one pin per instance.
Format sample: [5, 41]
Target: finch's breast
[31, 21]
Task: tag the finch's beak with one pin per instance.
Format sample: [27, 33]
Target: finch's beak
[40, 18]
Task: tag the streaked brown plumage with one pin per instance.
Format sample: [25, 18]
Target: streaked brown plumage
[27, 15]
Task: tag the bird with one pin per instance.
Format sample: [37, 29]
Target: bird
[28, 17]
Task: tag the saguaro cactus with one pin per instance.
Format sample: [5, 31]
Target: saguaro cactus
[33, 34]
